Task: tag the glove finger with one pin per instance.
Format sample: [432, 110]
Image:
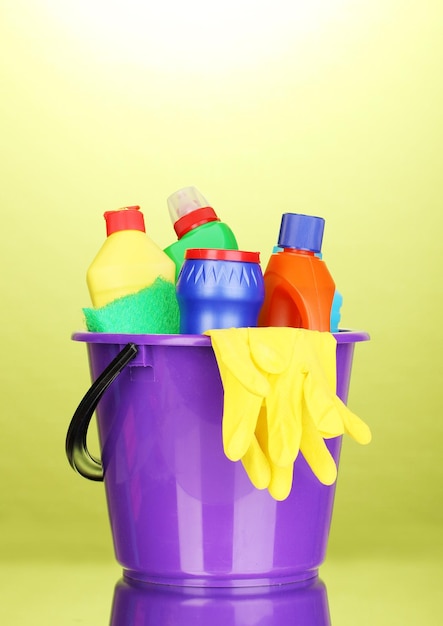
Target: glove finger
[321, 355]
[353, 425]
[281, 481]
[240, 413]
[316, 454]
[330, 415]
[284, 413]
[320, 402]
[257, 465]
[231, 348]
[272, 347]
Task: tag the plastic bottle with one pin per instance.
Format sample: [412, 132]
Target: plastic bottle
[336, 302]
[196, 224]
[336, 312]
[128, 260]
[219, 289]
[299, 289]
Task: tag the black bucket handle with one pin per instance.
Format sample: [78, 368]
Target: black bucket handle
[77, 451]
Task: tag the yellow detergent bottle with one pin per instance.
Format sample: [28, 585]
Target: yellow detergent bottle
[128, 261]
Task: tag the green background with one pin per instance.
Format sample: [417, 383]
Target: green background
[327, 108]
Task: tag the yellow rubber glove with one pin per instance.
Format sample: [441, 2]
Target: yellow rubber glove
[302, 394]
[279, 398]
[268, 453]
[280, 478]
[244, 390]
[255, 460]
[317, 455]
[281, 425]
[274, 351]
[302, 406]
[330, 414]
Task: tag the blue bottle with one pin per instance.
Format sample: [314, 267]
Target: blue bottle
[219, 289]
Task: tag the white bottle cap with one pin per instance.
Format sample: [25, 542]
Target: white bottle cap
[184, 201]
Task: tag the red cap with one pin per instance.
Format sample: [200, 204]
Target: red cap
[216, 254]
[193, 219]
[128, 218]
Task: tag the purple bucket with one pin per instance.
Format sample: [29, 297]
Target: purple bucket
[181, 513]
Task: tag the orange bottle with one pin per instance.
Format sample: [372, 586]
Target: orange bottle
[299, 289]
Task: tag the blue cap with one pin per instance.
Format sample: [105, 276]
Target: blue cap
[303, 232]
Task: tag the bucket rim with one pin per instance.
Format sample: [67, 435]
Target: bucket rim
[343, 336]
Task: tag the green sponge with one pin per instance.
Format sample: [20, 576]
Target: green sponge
[152, 310]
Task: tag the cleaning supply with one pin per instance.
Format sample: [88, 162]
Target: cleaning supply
[280, 398]
[336, 302]
[131, 281]
[219, 289]
[196, 225]
[153, 309]
[299, 289]
[336, 311]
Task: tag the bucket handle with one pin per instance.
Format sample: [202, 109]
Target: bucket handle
[77, 451]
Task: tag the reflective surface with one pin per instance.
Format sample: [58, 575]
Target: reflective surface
[402, 592]
[141, 604]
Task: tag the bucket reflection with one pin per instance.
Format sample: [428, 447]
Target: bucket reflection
[144, 604]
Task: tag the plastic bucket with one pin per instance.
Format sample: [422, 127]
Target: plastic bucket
[181, 513]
